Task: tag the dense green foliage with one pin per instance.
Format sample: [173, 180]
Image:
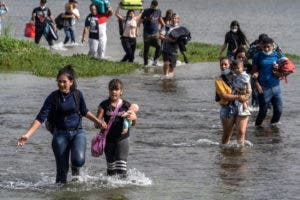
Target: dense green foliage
[21, 55]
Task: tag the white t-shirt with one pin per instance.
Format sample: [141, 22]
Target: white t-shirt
[76, 12]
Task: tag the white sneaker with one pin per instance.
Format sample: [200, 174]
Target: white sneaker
[155, 63]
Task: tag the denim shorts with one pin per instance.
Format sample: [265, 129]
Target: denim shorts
[228, 111]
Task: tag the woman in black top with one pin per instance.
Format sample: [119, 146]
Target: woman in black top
[234, 39]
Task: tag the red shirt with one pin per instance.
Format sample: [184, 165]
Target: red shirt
[102, 18]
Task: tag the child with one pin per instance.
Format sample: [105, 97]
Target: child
[117, 144]
[69, 17]
[134, 108]
[242, 86]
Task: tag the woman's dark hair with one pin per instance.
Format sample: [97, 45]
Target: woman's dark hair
[69, 72]
[115, 84]
[240, 50]
[239, 32]
[169, 14]
[127, 14]
[225, 58]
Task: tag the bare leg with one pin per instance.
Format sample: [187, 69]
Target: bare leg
[166, 67]
[241, 126]
[227, 129]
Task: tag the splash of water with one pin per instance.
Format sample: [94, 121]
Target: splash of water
[85, 182]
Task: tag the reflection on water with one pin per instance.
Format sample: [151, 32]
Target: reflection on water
[169, 85]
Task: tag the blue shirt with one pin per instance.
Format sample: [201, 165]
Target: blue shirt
[66, 114]
[264, 65]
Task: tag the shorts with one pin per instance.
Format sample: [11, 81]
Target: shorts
[169, 57]
[228, 111]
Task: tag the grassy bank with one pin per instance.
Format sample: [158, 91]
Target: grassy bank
[201, 52]
[21, 55]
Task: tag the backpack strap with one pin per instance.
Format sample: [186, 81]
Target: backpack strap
[55, 100]
[77, 101]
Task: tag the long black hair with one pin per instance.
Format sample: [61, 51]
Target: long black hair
[239, 32]
[69, 72]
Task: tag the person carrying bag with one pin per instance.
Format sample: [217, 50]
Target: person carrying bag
[99, 140]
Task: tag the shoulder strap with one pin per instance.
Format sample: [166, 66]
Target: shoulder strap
[55, 99]
[77, 100]
[113, 116]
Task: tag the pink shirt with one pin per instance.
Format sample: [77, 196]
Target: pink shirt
[130, 27]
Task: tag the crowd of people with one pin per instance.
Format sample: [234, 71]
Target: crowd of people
[239, 82]
[156, 31]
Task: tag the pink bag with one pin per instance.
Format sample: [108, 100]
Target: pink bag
[99, 140]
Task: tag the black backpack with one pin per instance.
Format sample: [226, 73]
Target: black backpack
[59, 21]
[51, 119]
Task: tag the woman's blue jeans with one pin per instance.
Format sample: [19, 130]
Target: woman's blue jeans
[270, 95]
[65, 143]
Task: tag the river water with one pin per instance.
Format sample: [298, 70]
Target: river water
[175, 151]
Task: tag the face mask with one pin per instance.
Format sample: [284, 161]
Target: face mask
[234, 30]
[226, 72]
[43, 7]
[267, 53]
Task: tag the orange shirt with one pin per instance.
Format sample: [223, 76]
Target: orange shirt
[222, 88]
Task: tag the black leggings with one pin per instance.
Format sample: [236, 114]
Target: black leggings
[116, 157]
[129, 46]
[38, 35]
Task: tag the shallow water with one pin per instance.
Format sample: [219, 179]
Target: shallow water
[174, 150]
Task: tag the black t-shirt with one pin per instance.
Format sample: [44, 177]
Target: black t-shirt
[233, 41]
[114, 134]
[91, 21]
[41, 15]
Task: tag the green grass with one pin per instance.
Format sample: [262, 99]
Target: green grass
[22, 55]
[201, 52]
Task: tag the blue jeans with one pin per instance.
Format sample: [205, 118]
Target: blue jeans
[228, 111]
[70, 34]
[270, 95]
[64, 143]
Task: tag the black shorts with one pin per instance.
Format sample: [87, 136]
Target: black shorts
[169, 57]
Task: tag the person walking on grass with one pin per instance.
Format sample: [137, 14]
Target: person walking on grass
[151, 19]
